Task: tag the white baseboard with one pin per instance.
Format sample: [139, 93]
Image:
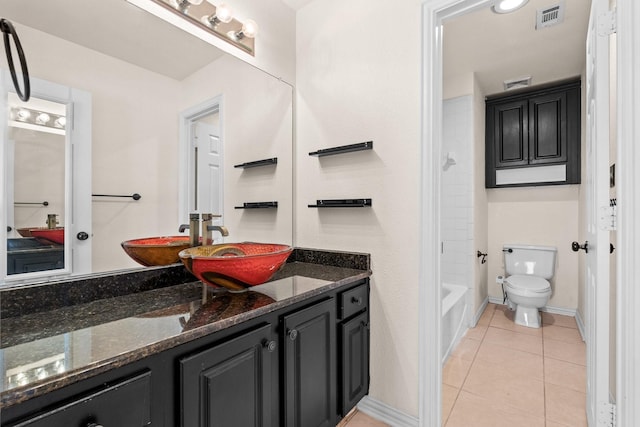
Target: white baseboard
[385, 413]
[581, 328]
[479, 312]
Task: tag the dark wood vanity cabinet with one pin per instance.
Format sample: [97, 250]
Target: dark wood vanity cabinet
[309, 366]
[534, 128]
[353, 340]
[229, 383]
[124, 403]
[304, 365]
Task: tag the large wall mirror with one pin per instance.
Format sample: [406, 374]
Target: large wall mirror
[145, 82]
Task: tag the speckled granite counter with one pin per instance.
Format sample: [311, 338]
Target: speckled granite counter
[97, 326]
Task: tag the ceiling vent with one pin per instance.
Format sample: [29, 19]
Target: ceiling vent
[550, 16]
[518, 83]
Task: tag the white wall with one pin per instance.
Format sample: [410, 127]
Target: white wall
[458, 255]
[356, 82]
[480, 204]
[538, 216]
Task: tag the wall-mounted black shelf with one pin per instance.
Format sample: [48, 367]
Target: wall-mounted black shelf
[257, 163]
[258, 205]
[343, 149]
[342, 203]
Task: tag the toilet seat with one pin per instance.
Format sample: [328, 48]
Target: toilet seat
[525, 285]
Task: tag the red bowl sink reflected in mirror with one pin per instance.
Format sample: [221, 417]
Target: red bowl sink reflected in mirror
[154, 251]
[235, 266]
[55, 235]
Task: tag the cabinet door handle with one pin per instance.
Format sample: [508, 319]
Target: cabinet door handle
[270, 346]
[356, 300]
[365, 324]
[293, 334]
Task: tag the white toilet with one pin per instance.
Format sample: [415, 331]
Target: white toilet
[528, 270]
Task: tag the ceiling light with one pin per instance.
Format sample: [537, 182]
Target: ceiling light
[506, 6]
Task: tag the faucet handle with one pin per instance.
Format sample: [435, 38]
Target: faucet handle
[194, 216]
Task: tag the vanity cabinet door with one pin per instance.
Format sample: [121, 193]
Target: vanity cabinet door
[310, 366]
[124, 404]
[229, 384]
[354, 361]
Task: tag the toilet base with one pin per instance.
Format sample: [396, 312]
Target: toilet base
[527, 316]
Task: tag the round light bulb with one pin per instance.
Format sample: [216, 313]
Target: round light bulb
[195, 2]
[250, 28]
[224, 13]
[43, 119]
[60, 122]
[23, 115]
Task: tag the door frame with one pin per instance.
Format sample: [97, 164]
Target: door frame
[628, 156]
[628, 193]
[187, 117]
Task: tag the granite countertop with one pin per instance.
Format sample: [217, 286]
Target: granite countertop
[76, 335]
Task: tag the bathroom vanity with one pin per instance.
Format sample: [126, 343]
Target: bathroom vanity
[155, 347]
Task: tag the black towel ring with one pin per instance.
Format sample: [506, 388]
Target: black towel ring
[7, 28]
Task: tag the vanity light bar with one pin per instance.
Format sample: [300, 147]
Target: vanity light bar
[37, 119]
[207, 18]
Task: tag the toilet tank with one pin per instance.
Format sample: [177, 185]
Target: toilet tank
[528, 259]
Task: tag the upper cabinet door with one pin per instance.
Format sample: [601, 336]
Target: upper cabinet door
[510, 130]
[548, 128]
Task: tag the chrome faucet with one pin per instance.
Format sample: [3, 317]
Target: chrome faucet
[193, 226]
[208, 228]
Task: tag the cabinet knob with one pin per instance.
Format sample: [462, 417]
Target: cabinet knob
[94, 425]
[270, 346]
[293, 334]
[356, 300]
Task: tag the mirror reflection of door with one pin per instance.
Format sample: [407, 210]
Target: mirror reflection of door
[208, 186]
[35, 222]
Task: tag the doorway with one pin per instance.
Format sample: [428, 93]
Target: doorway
[433, 154]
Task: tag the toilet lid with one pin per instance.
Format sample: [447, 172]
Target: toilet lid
[529, 283]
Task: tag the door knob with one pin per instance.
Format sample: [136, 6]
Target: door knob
[575, 246]
[82, 235]
[611, 248]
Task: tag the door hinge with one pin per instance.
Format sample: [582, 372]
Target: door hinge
[607, 23]
[607, 415]
[609, 216]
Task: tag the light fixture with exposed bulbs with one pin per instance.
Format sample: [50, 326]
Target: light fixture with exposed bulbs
[37, 120]
[202, 19]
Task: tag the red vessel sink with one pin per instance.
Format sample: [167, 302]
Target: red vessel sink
[235, 266]
[55, 235]
[153, 251]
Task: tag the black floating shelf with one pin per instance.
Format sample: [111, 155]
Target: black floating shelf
[342, 203]
[255, 164]
[258, 205]
[343, 149]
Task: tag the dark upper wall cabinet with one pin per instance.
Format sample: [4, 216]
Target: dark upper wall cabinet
[530, 130]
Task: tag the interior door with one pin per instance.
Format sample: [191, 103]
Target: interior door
[598, 221]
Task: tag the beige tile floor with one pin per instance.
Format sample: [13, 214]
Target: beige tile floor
[503, 374]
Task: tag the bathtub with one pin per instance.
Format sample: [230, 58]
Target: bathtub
[454, 307]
